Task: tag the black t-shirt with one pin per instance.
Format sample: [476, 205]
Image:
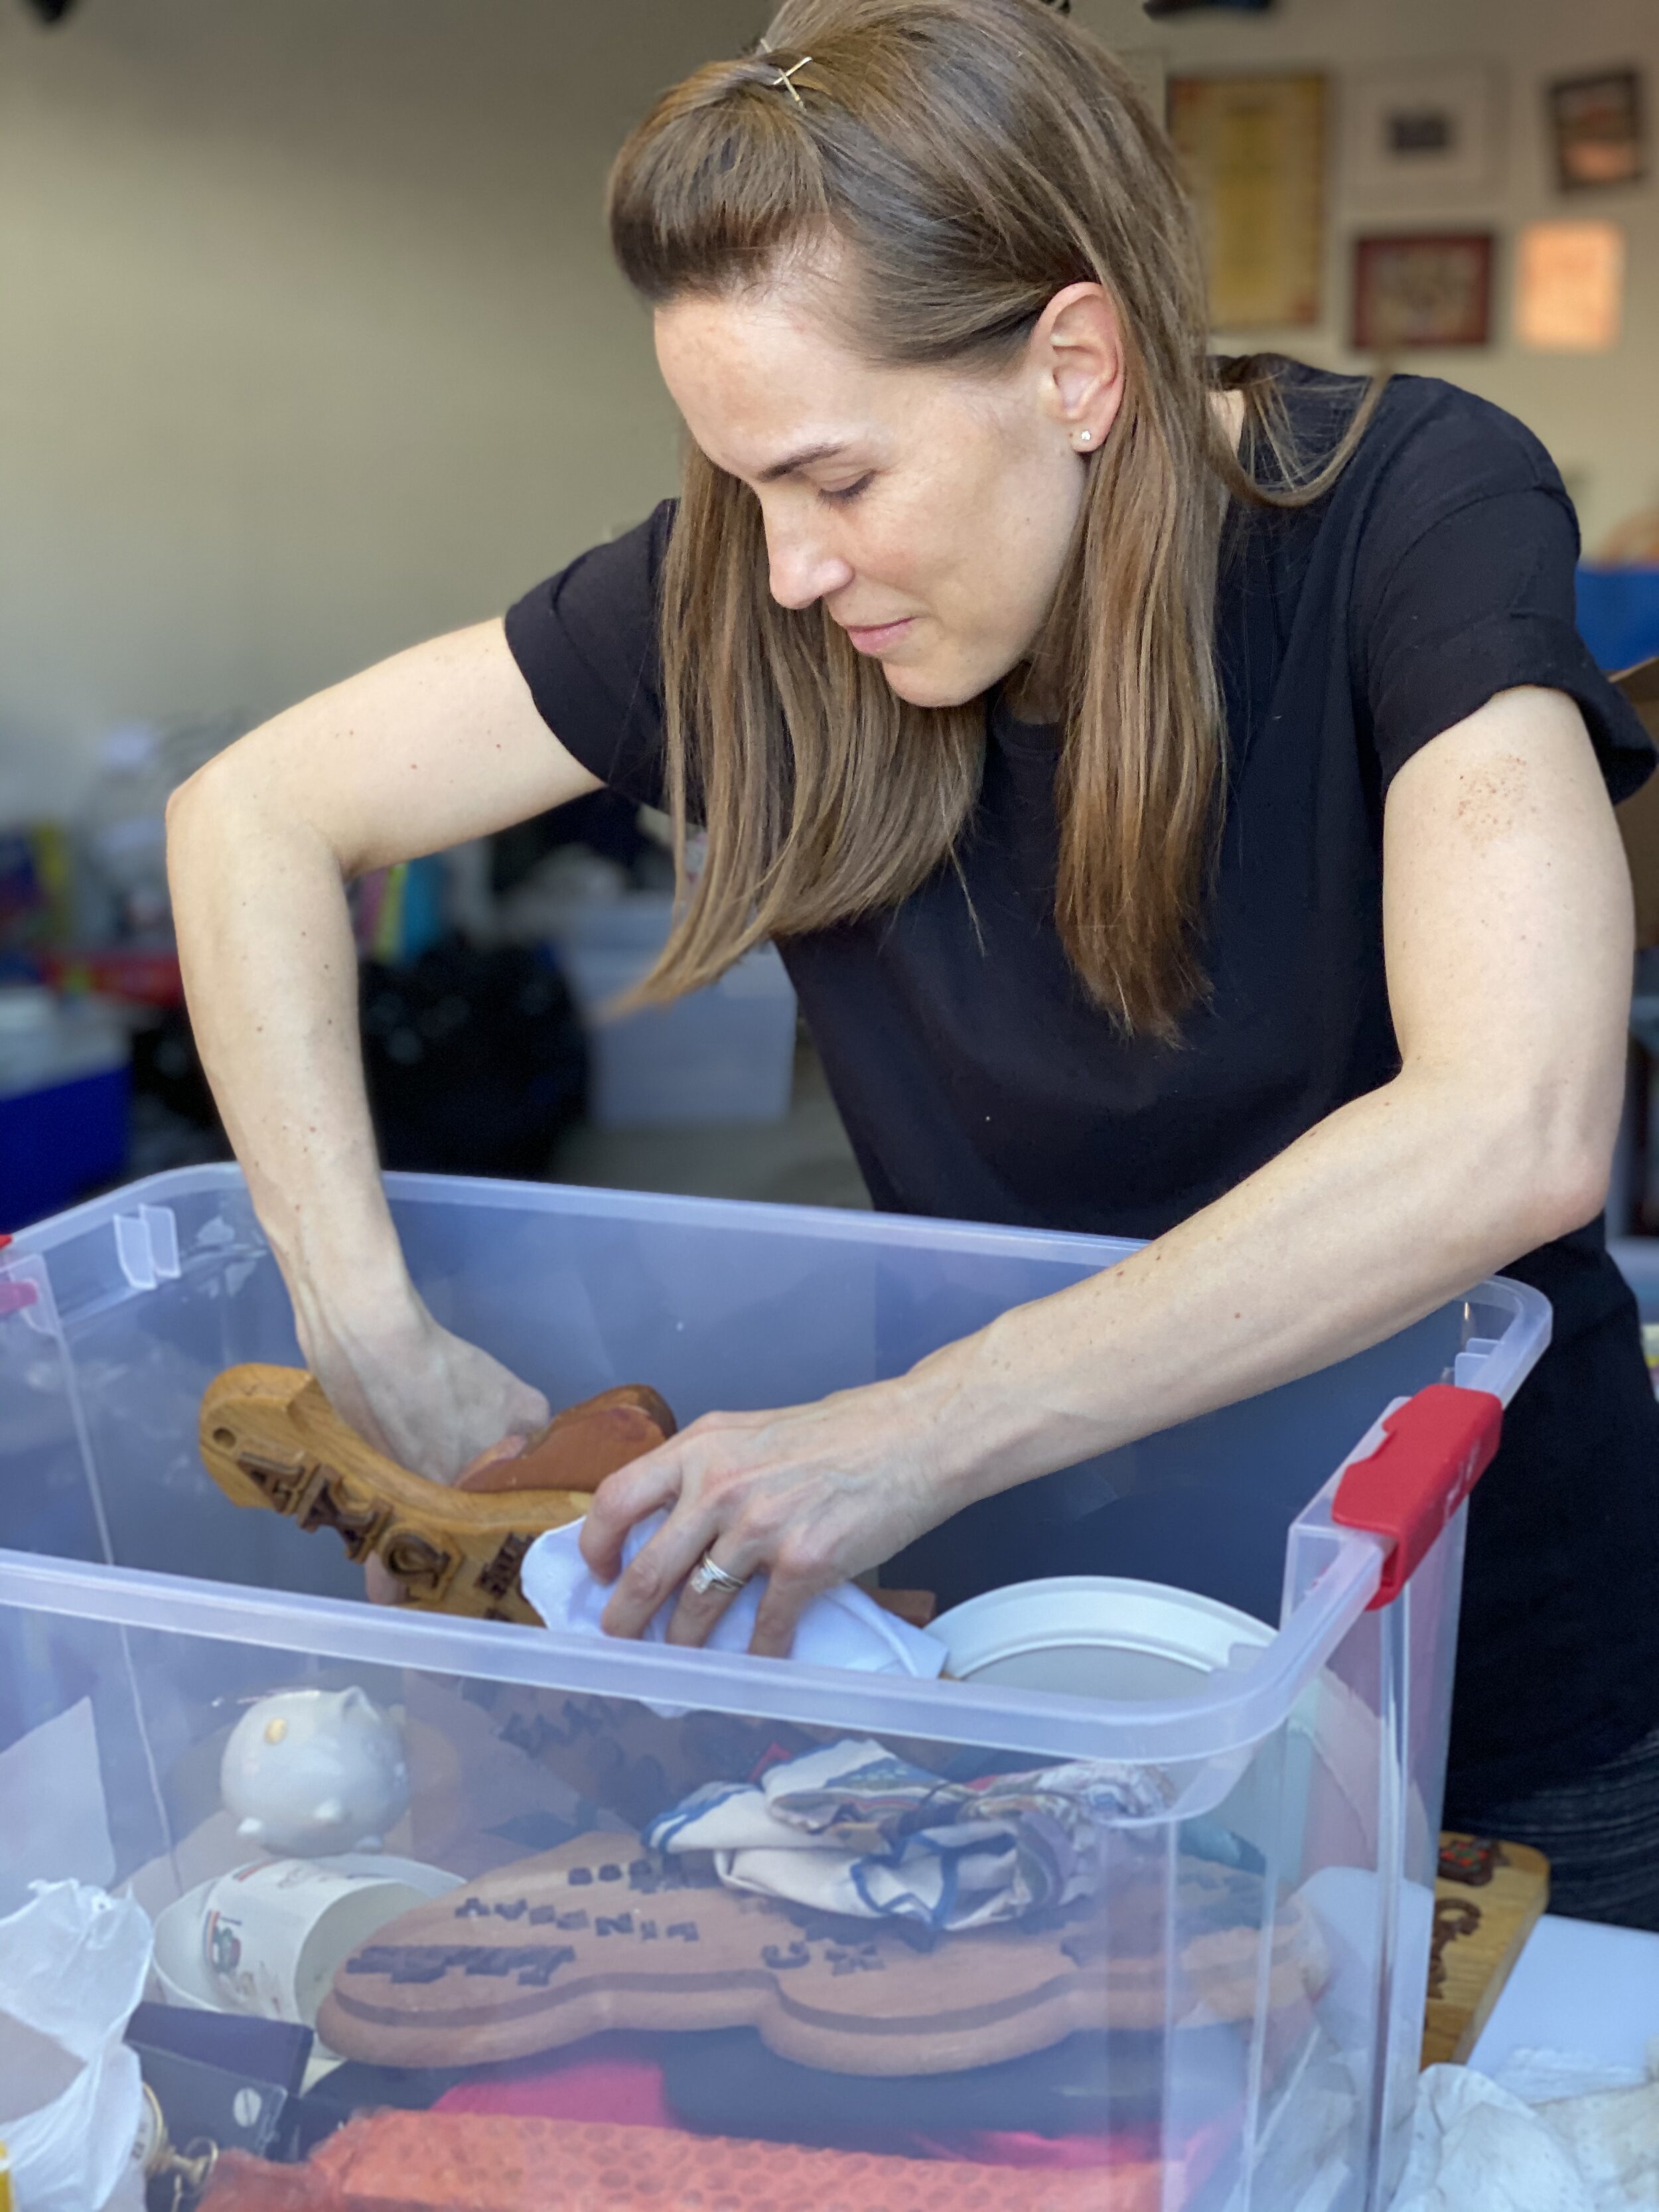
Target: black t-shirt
[977, 1083]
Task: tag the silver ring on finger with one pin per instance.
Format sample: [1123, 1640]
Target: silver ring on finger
[709, 1575]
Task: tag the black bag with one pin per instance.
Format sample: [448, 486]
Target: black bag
[475, 1060]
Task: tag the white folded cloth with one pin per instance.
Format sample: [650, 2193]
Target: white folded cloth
[843, 1628]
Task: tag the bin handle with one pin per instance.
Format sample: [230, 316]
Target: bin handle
[1435, 1448]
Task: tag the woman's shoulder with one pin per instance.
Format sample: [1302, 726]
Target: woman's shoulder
[625, 568]
[586, 641]
[602, 605]
[1429, 443]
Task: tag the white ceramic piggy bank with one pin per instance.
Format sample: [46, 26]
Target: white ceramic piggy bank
[309, 1772]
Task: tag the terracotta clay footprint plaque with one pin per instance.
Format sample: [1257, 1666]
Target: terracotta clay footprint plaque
[601, 1934]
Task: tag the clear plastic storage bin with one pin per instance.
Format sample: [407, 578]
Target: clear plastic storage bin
[1163, 1952]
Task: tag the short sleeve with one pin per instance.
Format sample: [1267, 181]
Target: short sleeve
[586, 643]
[1464, 588]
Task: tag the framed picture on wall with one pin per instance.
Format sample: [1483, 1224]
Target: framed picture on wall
[1253, 151]
[1433, 289]
[1599, 129]
[1570, 287]
[1418, 132]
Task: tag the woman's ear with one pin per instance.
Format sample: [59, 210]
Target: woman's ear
[1077, 349]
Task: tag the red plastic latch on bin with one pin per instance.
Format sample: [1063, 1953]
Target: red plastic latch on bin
[1434, 1450]
[13, 1297]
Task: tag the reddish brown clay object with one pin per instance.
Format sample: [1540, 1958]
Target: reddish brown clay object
[917, 1607]
[579, 1447]
[462, 2162]
[270, 1438]
[242, 2184]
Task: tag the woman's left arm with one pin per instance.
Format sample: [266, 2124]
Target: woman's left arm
[1508, 933]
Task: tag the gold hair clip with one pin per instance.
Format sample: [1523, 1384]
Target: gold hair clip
[787, 79]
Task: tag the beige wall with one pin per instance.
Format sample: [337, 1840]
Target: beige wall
[309, 341]
[309, 345]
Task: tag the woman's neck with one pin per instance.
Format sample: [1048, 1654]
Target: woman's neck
[1029, 695]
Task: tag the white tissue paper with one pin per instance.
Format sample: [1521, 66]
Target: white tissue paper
[1478, 2147]
[57, 1824]
[72, 1968]
[1547, 2077]
[844, 1628]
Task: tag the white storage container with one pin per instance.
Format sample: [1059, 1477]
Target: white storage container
[726, 1053]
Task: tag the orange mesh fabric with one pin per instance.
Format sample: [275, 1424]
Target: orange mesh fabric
[456, 2162]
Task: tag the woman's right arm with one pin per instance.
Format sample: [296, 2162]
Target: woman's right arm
[439, 744]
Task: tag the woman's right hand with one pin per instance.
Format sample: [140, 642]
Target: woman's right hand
[421, 1395]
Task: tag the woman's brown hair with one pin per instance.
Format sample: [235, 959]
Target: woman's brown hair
[966, 159]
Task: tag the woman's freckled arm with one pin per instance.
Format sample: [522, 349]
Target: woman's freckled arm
[1496, 1136]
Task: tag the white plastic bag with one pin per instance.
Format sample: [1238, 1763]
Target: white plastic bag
[1476, 2148]
[72, 1968]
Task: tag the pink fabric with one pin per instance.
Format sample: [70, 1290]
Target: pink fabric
[629, 2094]
[624, 2085]
[621, 2085]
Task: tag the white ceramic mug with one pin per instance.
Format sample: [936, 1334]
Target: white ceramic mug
[274, 1934]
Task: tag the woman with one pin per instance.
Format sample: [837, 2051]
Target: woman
[1181, 798]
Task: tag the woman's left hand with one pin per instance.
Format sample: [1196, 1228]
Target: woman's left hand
[808, 1497]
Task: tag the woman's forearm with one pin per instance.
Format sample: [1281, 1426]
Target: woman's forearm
[1507, 924]
[439, 743]
[1394, 1204]
[270, 973]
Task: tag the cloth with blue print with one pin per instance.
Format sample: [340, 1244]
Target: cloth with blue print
[854, 1829]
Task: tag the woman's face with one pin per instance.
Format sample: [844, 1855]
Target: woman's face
[931, 510]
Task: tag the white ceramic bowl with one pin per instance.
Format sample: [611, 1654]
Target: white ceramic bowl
[1095, 1636]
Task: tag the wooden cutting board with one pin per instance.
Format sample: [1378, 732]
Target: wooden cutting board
[1487, 1901]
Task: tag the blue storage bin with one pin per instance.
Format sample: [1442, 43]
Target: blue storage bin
[63, 1085]
[56, 1143]
[1619, 614]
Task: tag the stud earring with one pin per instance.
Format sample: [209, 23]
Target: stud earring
[1085, 437]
